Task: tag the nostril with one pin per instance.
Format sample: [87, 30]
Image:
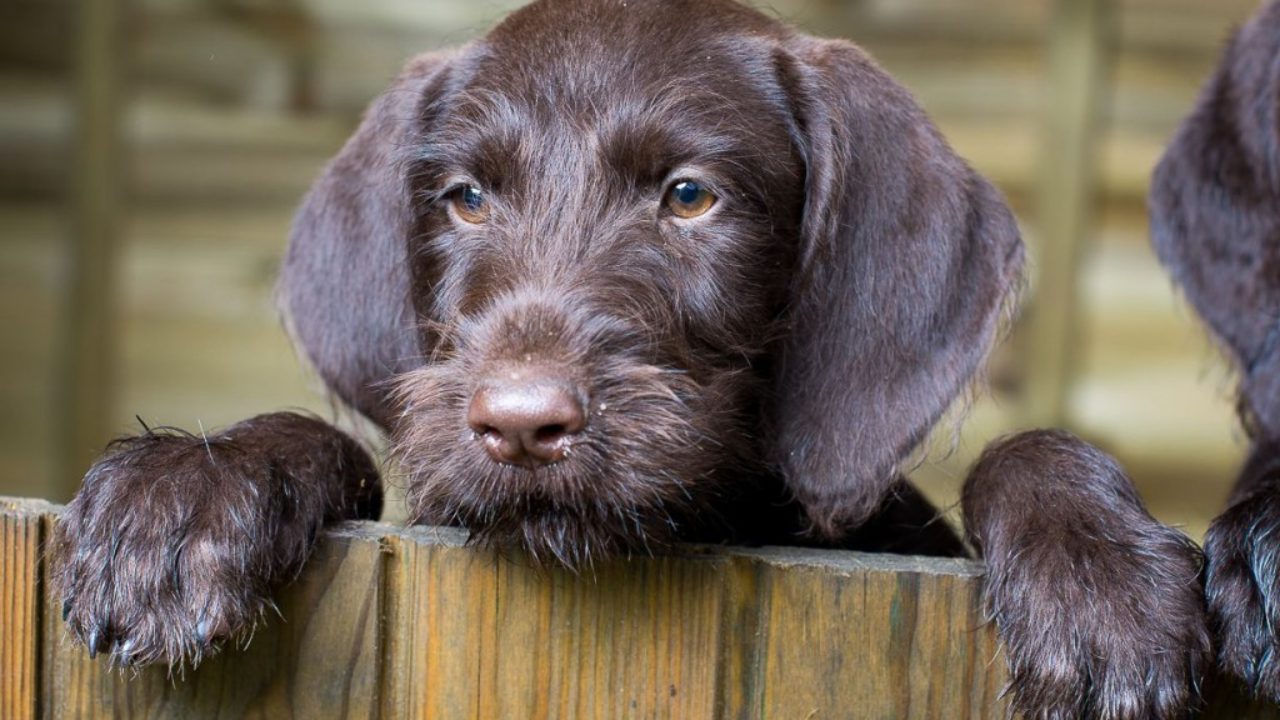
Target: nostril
[526, 421]
[550, 433]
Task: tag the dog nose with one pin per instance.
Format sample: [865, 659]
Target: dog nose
[527, 422]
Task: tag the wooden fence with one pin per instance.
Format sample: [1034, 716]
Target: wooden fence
[395, 623]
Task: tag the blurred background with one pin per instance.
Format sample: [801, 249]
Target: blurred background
[152, 153]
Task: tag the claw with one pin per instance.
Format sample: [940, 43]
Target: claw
[96, 641]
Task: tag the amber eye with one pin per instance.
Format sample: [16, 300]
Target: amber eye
[470, 204]
[689, 199]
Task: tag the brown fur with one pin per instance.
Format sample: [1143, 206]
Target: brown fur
[1125, 594]
[1215, 221]
[175, 541]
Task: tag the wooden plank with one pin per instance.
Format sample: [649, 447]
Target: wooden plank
[636, 640]
[393, 623]
[20, 605]
[442, 631]
[918, 621]
[443, 595]
[699, 636]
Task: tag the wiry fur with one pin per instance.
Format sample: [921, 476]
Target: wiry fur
[659, 445]
[175, 541]
[1215, 223]
[1119, 631]
[1243, 582]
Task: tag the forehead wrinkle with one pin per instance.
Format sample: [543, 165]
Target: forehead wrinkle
[484, 134]
[643, 146]
[681, 105]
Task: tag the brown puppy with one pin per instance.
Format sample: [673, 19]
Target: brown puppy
[1215, 221]
[626, 273]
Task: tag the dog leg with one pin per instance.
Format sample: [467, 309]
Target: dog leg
[1242, 550]
[175, 541]
[1099, 606]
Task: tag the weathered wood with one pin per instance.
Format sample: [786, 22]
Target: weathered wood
[394, 623]
[412, 623]
[20, 603]
[875, 636]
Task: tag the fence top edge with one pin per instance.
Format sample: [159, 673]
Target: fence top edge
[779, 557]
[26, 507]
[782, 558]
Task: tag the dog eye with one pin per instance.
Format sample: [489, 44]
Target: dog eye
[689, 199]
[470, 204]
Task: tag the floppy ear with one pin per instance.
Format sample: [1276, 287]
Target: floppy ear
[344, 283]
[1215, 212]
[907, 257]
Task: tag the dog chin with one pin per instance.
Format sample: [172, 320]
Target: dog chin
[572, 533]
[574, 539]
[573, 513]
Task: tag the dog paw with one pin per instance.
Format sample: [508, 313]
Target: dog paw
[1119, 634]
[140, 606]
[1100, 607]
[1242, 549]
[174, 543]
[155, 556]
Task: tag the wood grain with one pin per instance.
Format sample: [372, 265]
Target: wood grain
[411, 623]
[20, 605]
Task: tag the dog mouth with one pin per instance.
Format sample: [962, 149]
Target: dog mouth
[552, 532]
[624, 473]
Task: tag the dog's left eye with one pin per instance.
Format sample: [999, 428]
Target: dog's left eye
[689, 199]
[470, 204]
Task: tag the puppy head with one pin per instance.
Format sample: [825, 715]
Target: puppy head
[1215, 213]
[599, 269]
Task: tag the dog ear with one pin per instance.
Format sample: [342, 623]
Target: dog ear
[344, 283]
[1214, 207]
[907, 259]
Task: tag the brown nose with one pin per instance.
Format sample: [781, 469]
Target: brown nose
[526, 422]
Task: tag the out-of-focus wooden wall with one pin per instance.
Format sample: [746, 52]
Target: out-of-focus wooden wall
[233, 105]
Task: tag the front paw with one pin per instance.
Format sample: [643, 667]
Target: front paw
[1242, 548]
[1099, 629]
[168, 549]
[1100, 607]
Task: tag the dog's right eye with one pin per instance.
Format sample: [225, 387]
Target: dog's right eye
[469, 203]
[688, 199]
